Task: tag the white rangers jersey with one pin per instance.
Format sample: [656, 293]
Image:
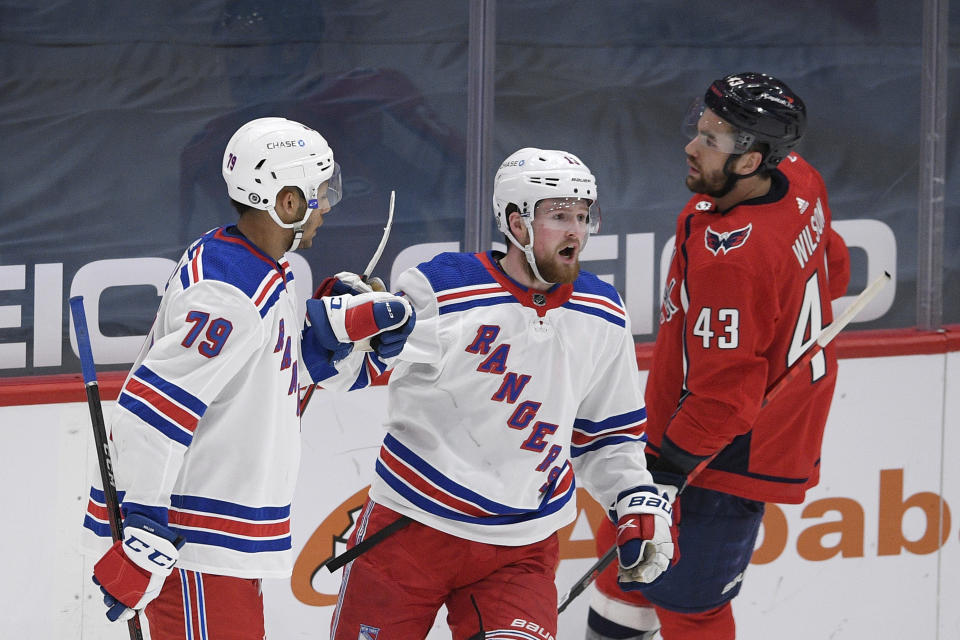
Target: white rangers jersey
[206, 430]
[502, 395]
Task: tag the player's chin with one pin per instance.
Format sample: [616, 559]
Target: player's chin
[561, 271]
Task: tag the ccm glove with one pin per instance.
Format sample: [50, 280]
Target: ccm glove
[646, 535]
[354, 318]
[132, 572]
[390, 343]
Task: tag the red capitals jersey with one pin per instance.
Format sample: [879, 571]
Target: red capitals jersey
[747, 293]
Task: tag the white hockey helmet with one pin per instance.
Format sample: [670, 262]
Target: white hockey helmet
[267, 154]
[530, 175]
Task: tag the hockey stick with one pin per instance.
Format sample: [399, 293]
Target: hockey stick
[586, 579]
[376, 284]
[817, 346]
[100, 436]
[827, 335]
[383, 241]
[364, 545]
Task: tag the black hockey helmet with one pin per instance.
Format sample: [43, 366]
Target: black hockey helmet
[764, 109]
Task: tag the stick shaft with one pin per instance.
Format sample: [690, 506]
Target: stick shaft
[827, 335]
[383, 240]
[305, 400]
[587, 578]
[100, 436]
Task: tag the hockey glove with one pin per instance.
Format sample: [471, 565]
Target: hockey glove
[349, 318]
[390, 343]
[646, 537]
[343, 283]
[132, 572]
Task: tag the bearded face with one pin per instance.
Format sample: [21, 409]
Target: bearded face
[560, 229]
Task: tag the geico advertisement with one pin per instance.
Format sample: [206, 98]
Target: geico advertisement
[41, 345]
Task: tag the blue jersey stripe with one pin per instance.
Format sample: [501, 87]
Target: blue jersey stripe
[176, 393]
[271, 300]
[156, 420]
[600, 313]
[631, 417]
[478, 302]
[243, 545]
[224, 508]
[604, 442]
[441, 511]
[395, 447]
[101, 529]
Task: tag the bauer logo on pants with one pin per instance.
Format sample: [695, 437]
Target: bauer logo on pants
[368, 633]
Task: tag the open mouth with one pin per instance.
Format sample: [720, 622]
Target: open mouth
[568, 252]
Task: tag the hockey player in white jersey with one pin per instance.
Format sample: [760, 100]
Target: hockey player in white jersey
[206, 431]
[518, 381]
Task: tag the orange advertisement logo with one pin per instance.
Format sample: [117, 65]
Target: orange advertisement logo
[826, 538]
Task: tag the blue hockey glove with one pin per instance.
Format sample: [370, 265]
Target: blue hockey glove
[354, 318]
[132, 572]
[390, 343]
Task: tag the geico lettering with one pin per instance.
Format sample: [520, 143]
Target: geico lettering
[647, 258]
[46, 343]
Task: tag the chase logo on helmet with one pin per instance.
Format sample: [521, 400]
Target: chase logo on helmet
[286, 143]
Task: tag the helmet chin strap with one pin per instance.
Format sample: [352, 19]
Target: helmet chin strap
[528, 253]
[732, 178]
[296, 226]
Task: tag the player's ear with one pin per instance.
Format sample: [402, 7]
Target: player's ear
[748, 163]
[287, 200]
[518, 228]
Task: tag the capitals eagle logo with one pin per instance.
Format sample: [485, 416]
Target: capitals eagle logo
[726, 241]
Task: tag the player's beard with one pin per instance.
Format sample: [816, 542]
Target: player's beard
[554, 271]
[716, 184]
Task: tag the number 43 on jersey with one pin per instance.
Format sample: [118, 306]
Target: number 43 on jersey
[720, 328]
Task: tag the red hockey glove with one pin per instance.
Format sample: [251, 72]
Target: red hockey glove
[353, 318]
[646, 537]
[132, 572]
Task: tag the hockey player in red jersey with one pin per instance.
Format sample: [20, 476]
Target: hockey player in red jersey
[518, 383]
[755, 266]
[206, 432]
